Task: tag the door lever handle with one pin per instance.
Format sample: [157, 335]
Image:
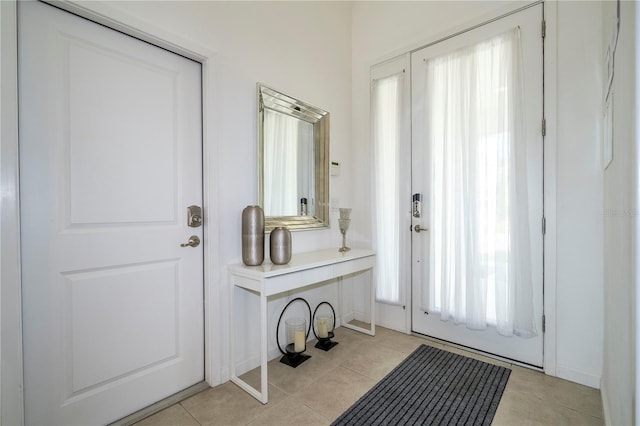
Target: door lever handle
[418, 228]
[194, 241]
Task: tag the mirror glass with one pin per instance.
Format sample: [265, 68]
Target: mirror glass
[293, 142]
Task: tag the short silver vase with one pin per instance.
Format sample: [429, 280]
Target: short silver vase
[344, 222]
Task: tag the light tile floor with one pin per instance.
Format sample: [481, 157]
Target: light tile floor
[319, 390]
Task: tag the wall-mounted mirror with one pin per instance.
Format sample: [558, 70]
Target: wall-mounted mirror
[293, 143]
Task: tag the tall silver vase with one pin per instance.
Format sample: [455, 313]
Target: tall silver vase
[280, 246]
[252, 236]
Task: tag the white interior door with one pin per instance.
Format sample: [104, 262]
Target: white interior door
[110, 158]
[429, 322]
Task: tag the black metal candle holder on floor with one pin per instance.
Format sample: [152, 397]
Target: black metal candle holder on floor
[293, 357]
[325, 331]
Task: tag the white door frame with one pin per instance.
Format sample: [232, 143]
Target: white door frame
[11, 397]
[550, 187]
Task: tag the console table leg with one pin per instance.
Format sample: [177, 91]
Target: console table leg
[264, 355]
[232, 343]
[372, 287]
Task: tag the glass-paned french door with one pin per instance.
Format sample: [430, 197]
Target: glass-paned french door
[477, 168]
[457, 200]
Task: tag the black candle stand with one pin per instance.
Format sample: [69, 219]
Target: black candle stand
[291, 357]
[325, 343]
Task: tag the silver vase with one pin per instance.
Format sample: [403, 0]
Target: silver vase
[252, 236]
[280, 246]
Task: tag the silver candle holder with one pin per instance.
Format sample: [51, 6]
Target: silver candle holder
[343, 223]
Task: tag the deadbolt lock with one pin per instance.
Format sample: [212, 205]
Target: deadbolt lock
[194, 217]
[417, 205]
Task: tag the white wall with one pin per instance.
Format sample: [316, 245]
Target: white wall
[382, 30]
[620, 223]
[579, 192]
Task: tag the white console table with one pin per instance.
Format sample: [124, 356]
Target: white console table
[303, 270]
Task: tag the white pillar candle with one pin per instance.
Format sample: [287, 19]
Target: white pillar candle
[323, 329]
[299, 341]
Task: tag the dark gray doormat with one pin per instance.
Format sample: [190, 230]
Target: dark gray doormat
[432, 387]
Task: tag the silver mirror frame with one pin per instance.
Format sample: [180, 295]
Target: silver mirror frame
[273, 99]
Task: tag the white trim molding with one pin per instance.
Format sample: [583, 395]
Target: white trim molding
[11, 402]
[550, 187]
[577, 376]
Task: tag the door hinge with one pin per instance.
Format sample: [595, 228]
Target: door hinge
[544, 225]
[544, 127]
[544, 323]
[544, 28]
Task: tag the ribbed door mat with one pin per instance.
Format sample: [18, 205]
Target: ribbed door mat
[432, 387]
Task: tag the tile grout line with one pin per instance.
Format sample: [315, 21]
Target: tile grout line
[189, 412]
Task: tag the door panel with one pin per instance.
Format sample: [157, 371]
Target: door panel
[99, 81]
[110, 158]
[527, 350]
[150, 338]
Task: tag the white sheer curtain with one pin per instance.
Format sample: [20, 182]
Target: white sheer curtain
[480, 257]
[306, 166]
[281, 159]
[386, 117]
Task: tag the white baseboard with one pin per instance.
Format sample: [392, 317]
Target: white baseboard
[576, 376]
[348, 317]
[397, 326]
[247, 365]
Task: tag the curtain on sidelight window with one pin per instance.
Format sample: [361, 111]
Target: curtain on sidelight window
[480, 266]
[387, 121]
